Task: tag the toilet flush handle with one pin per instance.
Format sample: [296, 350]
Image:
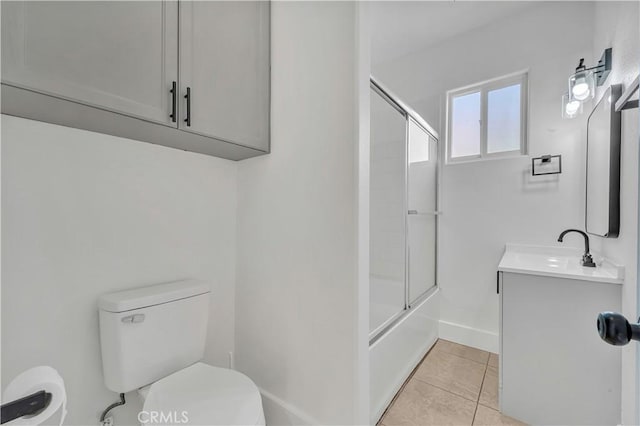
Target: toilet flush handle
[135, 318]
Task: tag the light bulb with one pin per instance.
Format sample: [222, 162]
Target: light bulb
[572, 108]
[580, 89]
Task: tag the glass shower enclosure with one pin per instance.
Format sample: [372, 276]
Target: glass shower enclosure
[403, 206]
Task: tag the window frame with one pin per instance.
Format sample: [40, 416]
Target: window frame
[520, 77]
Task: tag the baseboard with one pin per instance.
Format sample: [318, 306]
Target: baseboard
[279, 412]
[464, 335]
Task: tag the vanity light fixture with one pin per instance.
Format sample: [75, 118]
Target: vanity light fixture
[583, 82]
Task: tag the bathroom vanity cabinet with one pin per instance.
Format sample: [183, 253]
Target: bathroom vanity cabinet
[189, 75]
[554, 368]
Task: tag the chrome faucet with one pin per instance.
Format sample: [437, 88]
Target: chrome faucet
[587, 259]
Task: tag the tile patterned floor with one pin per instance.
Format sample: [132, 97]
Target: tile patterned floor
[454, 385]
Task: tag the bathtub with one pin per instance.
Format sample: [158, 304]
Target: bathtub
[395, 354]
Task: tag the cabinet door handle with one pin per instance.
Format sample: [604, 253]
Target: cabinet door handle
[174, 99]
[188, 98]
[498, 282]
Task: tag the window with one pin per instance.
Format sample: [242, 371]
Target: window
[488, 119]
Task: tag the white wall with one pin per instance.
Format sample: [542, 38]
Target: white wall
[84, 214]
[617, 25]
[297, 301]
[489, 203]
[362, 166]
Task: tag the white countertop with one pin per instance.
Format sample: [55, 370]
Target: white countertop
[561, 262]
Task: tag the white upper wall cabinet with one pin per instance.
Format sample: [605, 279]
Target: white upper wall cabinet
[120, 56]
[224, 64]
[111, 67]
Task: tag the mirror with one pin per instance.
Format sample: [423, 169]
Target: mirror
[603, 167]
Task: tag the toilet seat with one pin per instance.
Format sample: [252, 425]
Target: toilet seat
[207, 395]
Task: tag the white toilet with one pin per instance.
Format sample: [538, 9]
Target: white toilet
[153, 340]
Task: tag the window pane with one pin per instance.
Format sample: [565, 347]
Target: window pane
[465, 125]
[503, 116]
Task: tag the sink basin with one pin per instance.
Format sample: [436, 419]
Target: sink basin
[563, 262]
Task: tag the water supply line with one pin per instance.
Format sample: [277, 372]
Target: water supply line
[111, 407]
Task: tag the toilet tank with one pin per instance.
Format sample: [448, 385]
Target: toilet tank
[150, 332]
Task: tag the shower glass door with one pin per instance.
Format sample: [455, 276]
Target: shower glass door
[388, 212]
[403, 210]
[422, 170]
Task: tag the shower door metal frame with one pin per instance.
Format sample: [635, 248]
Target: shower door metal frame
[389, 322]
[409, 115]
[416, 301]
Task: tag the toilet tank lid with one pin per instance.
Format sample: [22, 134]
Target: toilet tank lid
[142, 297]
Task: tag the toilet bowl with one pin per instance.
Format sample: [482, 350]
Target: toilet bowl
[202, 395]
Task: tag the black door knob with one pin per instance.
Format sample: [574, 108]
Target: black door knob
[616, 330]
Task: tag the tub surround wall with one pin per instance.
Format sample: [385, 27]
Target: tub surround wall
[616, 26]
[84, 214]
[486, 204]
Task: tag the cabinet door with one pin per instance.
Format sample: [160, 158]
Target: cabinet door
[225, 67]
[119, 56]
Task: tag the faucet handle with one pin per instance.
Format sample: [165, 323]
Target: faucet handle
[587, 260]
